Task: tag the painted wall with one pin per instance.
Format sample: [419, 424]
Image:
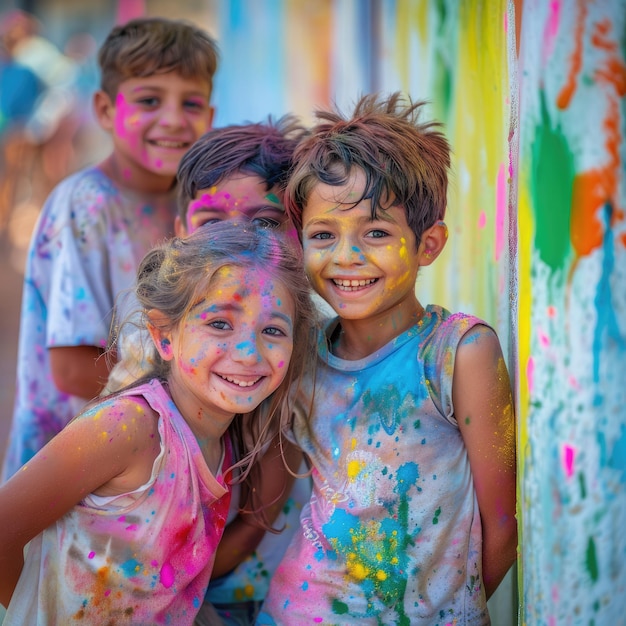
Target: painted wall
[536, 215]
[572, 312]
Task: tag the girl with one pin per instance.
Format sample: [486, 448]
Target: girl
[125, 507]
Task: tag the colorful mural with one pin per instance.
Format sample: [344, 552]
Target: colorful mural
[538, 250]
[572, 304]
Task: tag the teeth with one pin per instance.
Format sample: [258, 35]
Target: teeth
[353, 285]
[241, 383]
[169, 144]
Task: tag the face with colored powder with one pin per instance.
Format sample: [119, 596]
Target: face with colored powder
[233, 348]
[242, 197]
[155, 119]
[361, 267]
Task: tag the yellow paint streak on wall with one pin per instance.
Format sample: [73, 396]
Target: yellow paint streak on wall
[309, 41]
[525, 226]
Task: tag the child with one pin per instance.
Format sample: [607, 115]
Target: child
[131, 535]
[411, 434]
[236, 173]
[97, 224]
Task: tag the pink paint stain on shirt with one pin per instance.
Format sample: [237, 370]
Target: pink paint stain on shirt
[568, 460]
[482, 220]
[167, 575]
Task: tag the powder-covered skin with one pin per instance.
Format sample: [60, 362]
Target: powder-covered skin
[85, 250]
[392, 534]
[138, 558]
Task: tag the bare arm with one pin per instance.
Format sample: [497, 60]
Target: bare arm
[79, 370]
[242, 536]
[102, 451]
[484, 411]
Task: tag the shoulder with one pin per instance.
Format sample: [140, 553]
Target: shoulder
[128, 415]
[82, 192]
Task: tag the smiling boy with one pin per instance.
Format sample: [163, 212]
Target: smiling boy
[96, 226]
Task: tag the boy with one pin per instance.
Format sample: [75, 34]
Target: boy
[97, 224]
[236, 173]
[410, 433]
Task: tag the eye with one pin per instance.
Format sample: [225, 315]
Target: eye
[149, 101]
[266, 222]
[377, 234]
[321, 236]
[209, 220]
[274, 331]
[221, 325]
[194, 105]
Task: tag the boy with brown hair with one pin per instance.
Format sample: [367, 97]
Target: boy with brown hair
[96, 225]
[408, 421]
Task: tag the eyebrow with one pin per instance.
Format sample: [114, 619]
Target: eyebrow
[381, 216]
[226, 307]
[160, 89]
[199, 207]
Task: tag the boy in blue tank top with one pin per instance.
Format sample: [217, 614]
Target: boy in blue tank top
[408, 421]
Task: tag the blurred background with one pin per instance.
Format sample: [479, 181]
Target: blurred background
[533, 99]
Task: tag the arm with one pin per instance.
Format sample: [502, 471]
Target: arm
[242, 535]
[79, 370]
[483, 406]
[103, 450]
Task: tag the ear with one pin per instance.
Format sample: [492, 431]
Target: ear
[180, 229]
[211, 117]
[104, 110]
[433, 242]
[159, 329]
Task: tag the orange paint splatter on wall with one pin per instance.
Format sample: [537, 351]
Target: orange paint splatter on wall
[576, 60]
[595, 188]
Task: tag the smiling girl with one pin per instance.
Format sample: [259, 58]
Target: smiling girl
[122, 511]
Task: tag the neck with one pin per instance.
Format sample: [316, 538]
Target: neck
[357, 339]
[131, 176]
[208, 429]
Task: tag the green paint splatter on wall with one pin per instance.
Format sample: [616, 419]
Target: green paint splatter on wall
[591, 561]
[583, 488]
[552, 182]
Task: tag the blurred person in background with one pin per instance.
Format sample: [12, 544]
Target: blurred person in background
[98, 223]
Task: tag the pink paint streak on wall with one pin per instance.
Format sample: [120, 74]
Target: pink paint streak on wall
[129, 9]
[551, 30]
[569, 454]
[501, 210]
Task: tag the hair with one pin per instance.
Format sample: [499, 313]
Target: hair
[262, 149]
[147, 46]
[405, 162]
[174, 276]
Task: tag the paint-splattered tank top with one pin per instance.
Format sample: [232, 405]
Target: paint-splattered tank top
[144, 557]
[392, 533]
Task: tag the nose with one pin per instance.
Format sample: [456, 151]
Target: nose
[246, 350]
[346, 252]
[172, 116]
